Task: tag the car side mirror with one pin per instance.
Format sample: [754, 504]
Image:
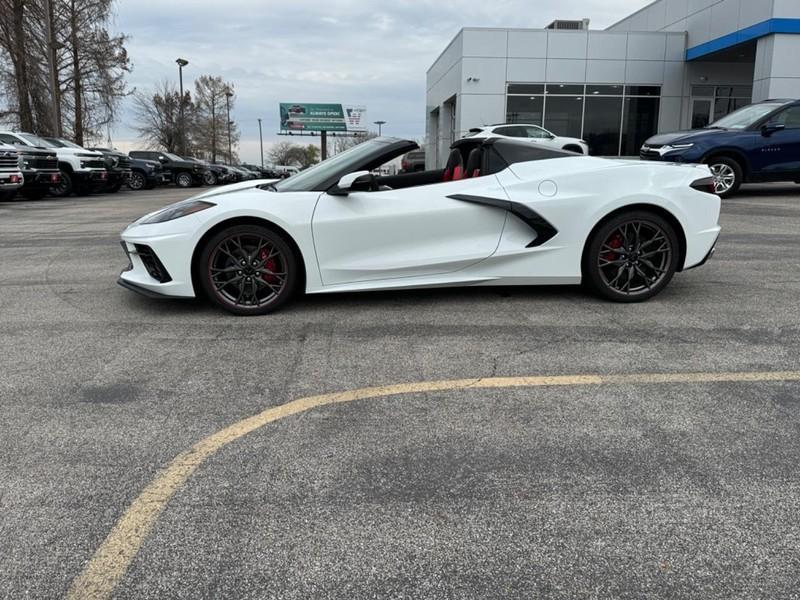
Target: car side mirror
[771, 127]
[352, 182]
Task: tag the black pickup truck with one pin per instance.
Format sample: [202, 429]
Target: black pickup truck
[146, 174]
[118, 166]
[182, 173]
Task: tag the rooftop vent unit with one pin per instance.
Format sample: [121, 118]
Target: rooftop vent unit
[569, 25]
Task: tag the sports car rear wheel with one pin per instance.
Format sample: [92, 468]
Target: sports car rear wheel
[248, 270]
[631, 257]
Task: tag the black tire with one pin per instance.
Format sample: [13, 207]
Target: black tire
[137, 181]
[65, 187]
[183, 180]
[728, 175]
[573, 148]
[631, 257]
[209, 178]
[114, 188]
[36, 194]
[7, 196]
[268, 275]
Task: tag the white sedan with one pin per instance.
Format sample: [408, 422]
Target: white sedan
[533, 134]
[502, 212]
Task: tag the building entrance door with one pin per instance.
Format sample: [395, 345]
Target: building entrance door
[702, 112]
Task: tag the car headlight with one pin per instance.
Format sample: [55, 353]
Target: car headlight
[176, 211]
[674, 148]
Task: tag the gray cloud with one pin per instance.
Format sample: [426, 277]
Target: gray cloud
[352, 51]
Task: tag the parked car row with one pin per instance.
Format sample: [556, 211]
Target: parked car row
[34, 166]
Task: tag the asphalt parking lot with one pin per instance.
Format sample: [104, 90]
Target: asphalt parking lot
[679, 487]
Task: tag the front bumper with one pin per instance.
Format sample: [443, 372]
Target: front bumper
[40, 179]
[118, 177]
[159, 264]
[93, 177]
[11, 181]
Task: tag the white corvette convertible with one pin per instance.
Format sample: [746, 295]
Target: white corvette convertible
[502, 212]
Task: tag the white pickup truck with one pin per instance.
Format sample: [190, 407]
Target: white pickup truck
[11, 178]
[81, 170]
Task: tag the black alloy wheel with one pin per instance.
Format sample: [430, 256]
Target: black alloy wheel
[63, 187]
[209, 178]
[632, 257]
[248, 270]
[137, 181]
[183, 180]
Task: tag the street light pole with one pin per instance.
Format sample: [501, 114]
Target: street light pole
[181, 63]
[261, 140]
[228, 96]
[380, 125]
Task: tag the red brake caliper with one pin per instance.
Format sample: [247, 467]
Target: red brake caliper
[270, 265]
[614, 242]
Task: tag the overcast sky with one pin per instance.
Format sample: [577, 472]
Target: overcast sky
[373, 53]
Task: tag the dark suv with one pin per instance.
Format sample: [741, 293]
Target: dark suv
[146, 174]
[118, 166]
[182, 173]
[757, 143]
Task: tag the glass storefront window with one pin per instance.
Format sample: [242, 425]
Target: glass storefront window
[642, 90]
[526, 88]
[564, 89]
[639, 122]
[525, 109]
[564, 115]
[601, 125]
[604, 90]
[605, 115]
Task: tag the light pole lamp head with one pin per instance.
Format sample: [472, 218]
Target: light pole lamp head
[182, 62]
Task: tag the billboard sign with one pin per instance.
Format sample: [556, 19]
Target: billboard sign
[302, 117]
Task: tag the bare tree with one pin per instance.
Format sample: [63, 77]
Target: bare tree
[158, 116]
[287, 153]
[210, 133]
[90, 65]
[340, 144]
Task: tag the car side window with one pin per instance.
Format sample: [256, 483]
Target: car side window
[512, 131]
[8, 139]
[790, 118]
[536, 132]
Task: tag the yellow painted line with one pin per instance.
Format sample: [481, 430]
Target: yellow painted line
[112, 559]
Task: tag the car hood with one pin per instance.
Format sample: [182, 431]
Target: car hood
[680, 137]
[219, 193]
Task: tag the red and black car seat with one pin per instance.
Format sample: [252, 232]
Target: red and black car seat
[454, 170]
[473, 163]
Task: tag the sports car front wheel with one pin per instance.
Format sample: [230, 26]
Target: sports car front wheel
[248, 270]
[631, 257]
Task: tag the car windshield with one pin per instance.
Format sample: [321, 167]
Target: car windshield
[344, 162]
[37, 141]
[745, 117]
[172, 156]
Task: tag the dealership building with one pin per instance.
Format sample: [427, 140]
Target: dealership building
[674, 64]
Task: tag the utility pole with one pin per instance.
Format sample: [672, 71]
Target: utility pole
[228, 96]
[51, 66]
[323, 139]
[261, 140]
[380, 125]
[181, 130]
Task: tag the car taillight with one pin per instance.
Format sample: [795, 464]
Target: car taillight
[706, 184]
